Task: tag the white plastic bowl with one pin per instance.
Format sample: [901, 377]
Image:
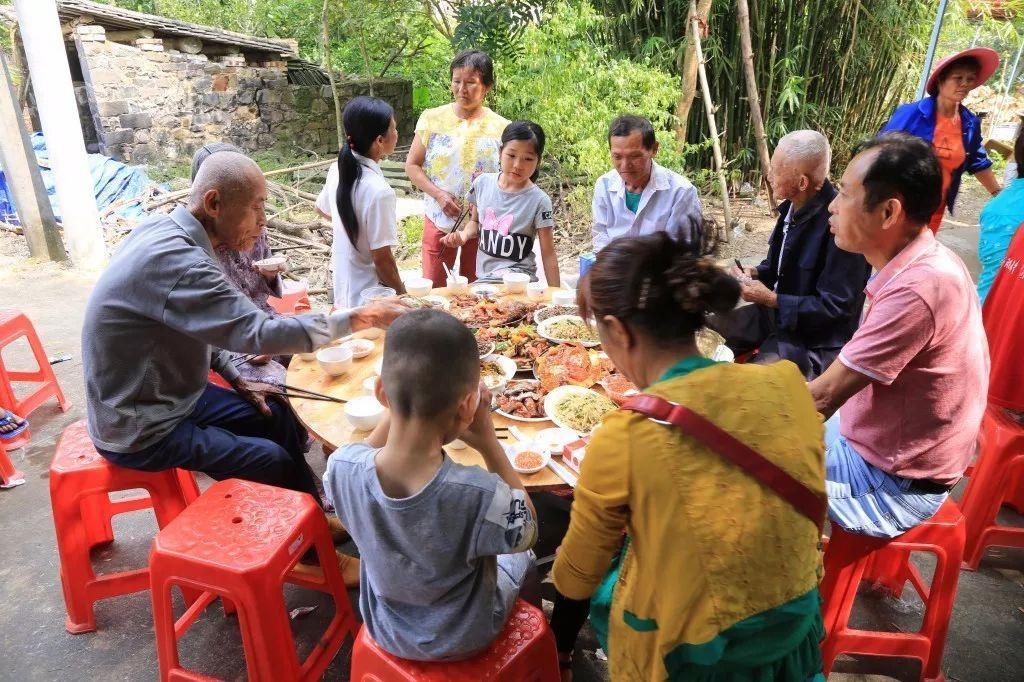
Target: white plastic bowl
[515, 282]
[364, 413]
[370, 384]
[458, 284]
[360, 347]
[536, 290]
[564, 297]
[419, 286]
[272, 264]
[335, 360]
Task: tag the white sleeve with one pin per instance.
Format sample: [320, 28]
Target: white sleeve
[689, 217]
[381, 224]
[599, 229]
[325, 201]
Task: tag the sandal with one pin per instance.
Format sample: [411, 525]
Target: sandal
[9, 418]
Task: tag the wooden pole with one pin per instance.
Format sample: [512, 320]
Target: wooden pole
[689, 77]
[22, 172]
[325, 36]
[753, 97]
[709, 108]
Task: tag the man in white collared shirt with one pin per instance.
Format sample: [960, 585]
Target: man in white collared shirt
[640, 197]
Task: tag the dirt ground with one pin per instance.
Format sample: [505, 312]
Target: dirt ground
[984, 641]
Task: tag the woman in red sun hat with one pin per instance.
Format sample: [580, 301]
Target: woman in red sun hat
[955, 132]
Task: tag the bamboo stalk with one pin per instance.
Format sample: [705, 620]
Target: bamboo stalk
[709, 108]
[754, 100]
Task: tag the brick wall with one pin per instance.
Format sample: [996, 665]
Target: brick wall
[146, 103]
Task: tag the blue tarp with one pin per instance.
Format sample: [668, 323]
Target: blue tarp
[112, 181]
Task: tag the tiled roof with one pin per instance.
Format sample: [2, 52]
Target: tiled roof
[109, 16]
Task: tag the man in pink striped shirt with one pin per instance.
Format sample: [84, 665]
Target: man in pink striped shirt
[910, 386]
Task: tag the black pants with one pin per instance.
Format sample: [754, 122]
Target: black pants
[225, 436]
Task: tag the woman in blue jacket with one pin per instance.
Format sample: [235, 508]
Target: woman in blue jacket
[954, 132]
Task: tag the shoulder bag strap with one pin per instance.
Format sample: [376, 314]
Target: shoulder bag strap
[767, 473]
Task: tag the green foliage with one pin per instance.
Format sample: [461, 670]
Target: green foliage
[494, 26]
[834, 65]
[565, 79]
[410, 237]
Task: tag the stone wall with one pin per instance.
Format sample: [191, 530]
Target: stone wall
[147, 103]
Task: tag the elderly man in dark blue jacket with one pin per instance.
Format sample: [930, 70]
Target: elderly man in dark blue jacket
[807, 294]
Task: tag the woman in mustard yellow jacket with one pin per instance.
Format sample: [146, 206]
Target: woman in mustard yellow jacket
[717, 576]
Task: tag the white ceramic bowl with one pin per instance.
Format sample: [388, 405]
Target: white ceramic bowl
[537, 290]
[360, 347]
[419, 286]
[514, 449]
[564, 297]
[335, 360]
[508, 369]
[515, 282]
[370, 384]
[364, 413]
[458, 284]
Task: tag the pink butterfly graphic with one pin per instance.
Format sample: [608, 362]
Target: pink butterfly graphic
[500, 225]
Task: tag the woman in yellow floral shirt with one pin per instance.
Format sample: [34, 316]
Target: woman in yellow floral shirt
[454, 144]
[717, 577]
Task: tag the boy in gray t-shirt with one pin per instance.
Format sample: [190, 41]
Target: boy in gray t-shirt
[444, 547]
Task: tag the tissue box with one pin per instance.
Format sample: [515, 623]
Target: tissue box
[572, 454]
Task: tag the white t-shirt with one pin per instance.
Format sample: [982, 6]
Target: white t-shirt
[374, 203]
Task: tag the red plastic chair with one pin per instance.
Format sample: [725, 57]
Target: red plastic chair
[80, 483]
[9, 474]
[240, 541]
[851, 558]
[524, 652]
[997, 479]
[13, 326]
[294, 295]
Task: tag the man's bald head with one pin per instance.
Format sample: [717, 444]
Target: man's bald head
[800, 163]
[227, 197]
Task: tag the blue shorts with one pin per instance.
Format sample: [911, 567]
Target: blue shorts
[864, 499]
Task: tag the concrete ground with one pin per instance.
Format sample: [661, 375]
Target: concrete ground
[984, 641]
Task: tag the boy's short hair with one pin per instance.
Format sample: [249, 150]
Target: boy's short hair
[430, 363]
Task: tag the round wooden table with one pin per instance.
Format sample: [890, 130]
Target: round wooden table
[327, 421]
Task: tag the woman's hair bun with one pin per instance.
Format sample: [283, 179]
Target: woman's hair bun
[699, 286]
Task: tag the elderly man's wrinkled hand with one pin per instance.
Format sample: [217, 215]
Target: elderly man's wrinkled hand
[256, 392]
[756, 292]
[378, 314]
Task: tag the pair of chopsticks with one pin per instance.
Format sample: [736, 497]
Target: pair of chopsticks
[296, 393]
[242, 359]
[458, 224]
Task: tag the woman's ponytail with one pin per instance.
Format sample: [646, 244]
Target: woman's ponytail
[365, 119]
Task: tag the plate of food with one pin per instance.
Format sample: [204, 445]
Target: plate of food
[568, 329]
[567, 363]
[554, 310]
[576, 408]
[414, 302]
[496, 371]
[484, 290]
[520, 343]
[477, 312]
[522, 401]
[484, 347]
[528, 457]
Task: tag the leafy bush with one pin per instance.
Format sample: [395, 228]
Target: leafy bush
[566, 79]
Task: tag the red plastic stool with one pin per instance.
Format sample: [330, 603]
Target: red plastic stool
[293, 295]
[13, 326]
[239, 541]
[80, 481]
[9, 474]
[850, 558]
[997, 478]
[523, 652]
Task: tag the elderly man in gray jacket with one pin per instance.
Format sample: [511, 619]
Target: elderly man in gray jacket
[152, 327]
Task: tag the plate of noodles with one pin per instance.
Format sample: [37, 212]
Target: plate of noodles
[576, 408]
[568, 329]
